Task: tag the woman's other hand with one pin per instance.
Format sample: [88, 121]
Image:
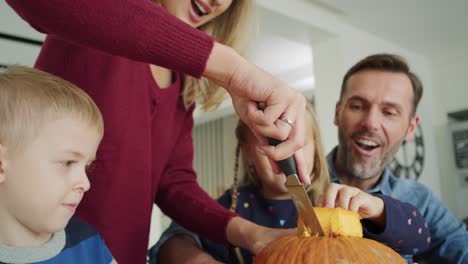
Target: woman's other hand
[246, 234]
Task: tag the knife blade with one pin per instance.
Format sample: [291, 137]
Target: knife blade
[305, 210]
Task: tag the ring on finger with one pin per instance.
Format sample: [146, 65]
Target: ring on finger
[287, 121]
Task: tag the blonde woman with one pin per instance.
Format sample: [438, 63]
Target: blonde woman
[134, 58]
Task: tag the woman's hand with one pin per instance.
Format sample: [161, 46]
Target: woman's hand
[245, 234]
[282, 118]
[354, 199]
[182, 249]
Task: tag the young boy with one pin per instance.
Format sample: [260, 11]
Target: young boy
[49, 133]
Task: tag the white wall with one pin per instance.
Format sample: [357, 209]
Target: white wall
[17, 53]
[451, 94]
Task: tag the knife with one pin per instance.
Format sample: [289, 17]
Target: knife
[305, 210]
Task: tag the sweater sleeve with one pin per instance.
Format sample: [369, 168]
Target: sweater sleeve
[136, 29]
[182, 199]
[405, 228]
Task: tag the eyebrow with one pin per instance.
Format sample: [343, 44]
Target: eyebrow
[78, 154]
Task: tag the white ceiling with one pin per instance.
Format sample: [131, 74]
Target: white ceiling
[428, 27]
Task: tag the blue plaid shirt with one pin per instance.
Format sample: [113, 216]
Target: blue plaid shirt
[449, 238]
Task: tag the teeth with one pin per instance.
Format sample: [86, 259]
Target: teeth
[200, 7]
[367, 143]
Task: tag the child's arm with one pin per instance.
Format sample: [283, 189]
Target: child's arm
[405, 229]
[398, 225]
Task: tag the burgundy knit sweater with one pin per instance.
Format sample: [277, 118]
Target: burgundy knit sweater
[105, 47]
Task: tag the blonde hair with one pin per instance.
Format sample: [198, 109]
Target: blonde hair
[319, 176]
[232, 28]
[29, 98]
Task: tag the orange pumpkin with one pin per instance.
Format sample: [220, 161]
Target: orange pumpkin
[342, 243]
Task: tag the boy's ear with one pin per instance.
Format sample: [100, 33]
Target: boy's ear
[2, 163]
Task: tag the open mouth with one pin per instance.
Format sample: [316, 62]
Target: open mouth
[366, 144]
[199, 9]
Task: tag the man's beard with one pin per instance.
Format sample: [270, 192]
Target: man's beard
[353, 165]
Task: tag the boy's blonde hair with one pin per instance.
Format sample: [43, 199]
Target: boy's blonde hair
[29, 98]
[319, 176]
[232, 28]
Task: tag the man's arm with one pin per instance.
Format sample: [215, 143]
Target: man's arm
[449, 238]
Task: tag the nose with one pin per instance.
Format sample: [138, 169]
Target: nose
[371, 120]
[83, 183]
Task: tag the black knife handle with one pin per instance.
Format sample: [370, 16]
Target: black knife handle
[288, 166]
